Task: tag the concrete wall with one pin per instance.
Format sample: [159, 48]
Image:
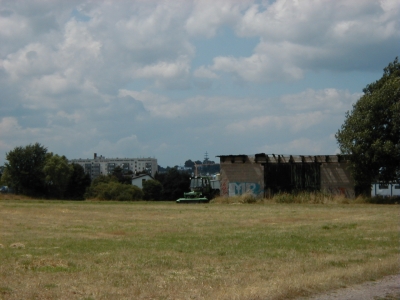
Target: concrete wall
[336, 179]
[240, 177]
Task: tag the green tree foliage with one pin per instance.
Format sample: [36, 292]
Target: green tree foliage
[189, 164]
[58, 172]
[118, 172]
[104, 179]
[371, 131]
[174, 184]
[114, 190]
[25, 169]
[4, 178]
[77, 184]
[91, 191]
[152, 190]
[34, 172]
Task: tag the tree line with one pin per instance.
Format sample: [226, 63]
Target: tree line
[33, 171]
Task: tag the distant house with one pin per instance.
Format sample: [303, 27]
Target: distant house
[138, 180]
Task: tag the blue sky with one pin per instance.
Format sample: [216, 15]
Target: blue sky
[175, 79]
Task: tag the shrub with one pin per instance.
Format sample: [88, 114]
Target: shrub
[284, 198]
[115, 191]
[248, 198]
[152, 190]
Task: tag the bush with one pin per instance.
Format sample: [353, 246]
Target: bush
[115, 191]
[314, 198]
[284, 198]
[246, 198]
[152, 190]
[174, 184]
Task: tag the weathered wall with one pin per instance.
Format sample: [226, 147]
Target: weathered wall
[241, 174]
[240, 177]
[336, 179]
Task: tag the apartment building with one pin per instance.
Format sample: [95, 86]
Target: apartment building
[100, 165]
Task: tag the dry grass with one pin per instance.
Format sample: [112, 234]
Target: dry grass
[104, 250]
[301, 198]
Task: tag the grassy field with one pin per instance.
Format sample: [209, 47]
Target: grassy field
[114, 250]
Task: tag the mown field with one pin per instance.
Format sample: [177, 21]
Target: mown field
[160, 250]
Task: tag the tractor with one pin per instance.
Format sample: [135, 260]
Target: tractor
[202, 190]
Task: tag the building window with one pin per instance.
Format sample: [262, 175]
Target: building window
[383, 186]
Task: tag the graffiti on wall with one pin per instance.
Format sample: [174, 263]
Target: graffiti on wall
[240, 188]
[224, 188]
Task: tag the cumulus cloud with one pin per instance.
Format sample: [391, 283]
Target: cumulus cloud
[208, 16]
[287, 123]
[299, 36]
[8, 125]
[328, 100]
[299, 146]
[126, 75]
[204, 72]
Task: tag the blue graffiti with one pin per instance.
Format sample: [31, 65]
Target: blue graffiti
[240, 188]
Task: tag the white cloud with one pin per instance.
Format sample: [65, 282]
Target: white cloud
[208, 16]
[165, 73]
[8, 126]
[263, 66]
[328, 100]
[287, 123]
[12, 25]
[204, 72]
[32, 60]
[300, 146]
[128, 146]
[216, 106]
[311, 35]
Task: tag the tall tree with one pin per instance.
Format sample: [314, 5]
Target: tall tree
[25, 169]
[77, 184]
[58, 172]
[370, 134]
[174, 184]
[189, 164]
[122, 177]
[152, 190]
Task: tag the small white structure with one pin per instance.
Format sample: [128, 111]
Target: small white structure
[138, 180]
[385, 190]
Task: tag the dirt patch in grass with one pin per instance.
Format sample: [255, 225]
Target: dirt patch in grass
[387, 288]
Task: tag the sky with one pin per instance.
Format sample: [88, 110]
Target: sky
[174, 80]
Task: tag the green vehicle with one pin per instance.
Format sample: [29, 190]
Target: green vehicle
[202, 190]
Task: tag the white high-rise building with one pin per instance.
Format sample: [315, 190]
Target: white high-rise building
[100, 165]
